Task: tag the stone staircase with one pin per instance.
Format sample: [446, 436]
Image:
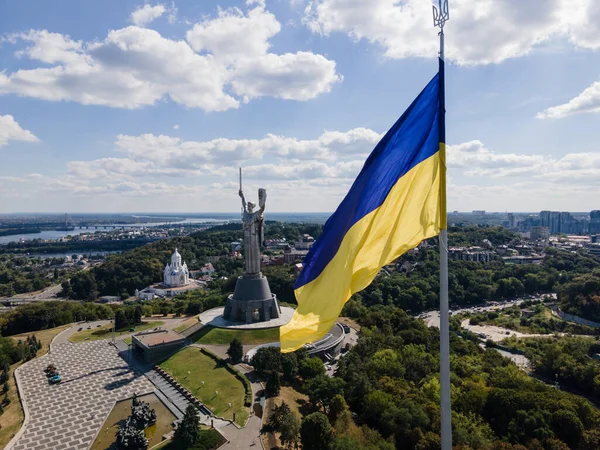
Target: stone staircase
[179, 395]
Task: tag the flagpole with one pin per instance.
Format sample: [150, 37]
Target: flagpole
[440, 16]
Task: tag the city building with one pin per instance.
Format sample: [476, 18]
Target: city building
[479, 212]
[156, 344]
[207, 269]
[305, 242]
[294, 255]
[560, 222]
[511, 220]
[594, 222]
[539, 233]
[469, 254]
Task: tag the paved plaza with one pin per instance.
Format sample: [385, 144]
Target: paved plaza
[68, 415]
[214, 317]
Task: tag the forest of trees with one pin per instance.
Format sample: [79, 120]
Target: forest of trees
[123, 274]
[568, 360]
[20, 274]
[581, 295]
[390, 382]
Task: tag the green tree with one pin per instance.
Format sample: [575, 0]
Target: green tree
[567, 426]
[277, 417]
[289, 431]
[322, 389]
[137, 314]
[337, 406]
[235, 351]
[289, 366]
[187, 433]
[266, 360]
[316, 432]
[120, 319]
[5, 388]
[273, 386]
[311, 368]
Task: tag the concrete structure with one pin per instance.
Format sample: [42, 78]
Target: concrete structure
[469, 254]
[207, 269]
[109, 299]
[155, 345]
[252, 299]
[539, 233]
[305, 242]
[215, 318]
[294, 255]
[326, 348]
[68, 415]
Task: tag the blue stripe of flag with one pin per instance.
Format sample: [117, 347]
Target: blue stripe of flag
[412, 139]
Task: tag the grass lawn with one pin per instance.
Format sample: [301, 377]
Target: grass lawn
[12, 418]
[211, 335]
[104, 332]
[216, 378]
[127, 340]
[186, 324]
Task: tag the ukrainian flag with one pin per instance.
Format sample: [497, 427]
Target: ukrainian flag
[397, 201]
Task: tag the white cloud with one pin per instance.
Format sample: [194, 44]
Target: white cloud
[134, 66]
[242, 41]
[167, 173]
[475, 159]
[143, 15]
[175, 153]
[10, 130]
[176, 126]
[586, 102]
[234, 35]
[482, 32]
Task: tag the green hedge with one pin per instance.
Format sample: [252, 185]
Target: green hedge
[239, 375]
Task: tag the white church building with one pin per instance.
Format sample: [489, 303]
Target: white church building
[176, 279]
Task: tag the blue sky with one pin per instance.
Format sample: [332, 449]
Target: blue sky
[121, 106]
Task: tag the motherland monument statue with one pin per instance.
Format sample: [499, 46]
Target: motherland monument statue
[252, 300]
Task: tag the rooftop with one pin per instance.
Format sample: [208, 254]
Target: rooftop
[158, 337]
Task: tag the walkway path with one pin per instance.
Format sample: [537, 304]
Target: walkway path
[68, 415]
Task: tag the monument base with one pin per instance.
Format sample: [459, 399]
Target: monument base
[251, 301]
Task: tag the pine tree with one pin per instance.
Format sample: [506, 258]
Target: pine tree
[5, 388]
[137, 314]
[187, 433]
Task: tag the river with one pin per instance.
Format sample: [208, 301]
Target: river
[53, 234]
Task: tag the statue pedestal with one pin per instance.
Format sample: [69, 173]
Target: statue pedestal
[251, 301]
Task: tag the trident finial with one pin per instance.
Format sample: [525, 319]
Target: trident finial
[441, 14]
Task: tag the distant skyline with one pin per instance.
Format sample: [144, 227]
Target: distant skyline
[123, 106]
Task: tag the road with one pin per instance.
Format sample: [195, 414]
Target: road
[432, 318]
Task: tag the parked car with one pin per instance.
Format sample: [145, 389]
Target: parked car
[79, 329]
[99, 325]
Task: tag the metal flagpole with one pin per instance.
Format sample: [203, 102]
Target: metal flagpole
[440, 16]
